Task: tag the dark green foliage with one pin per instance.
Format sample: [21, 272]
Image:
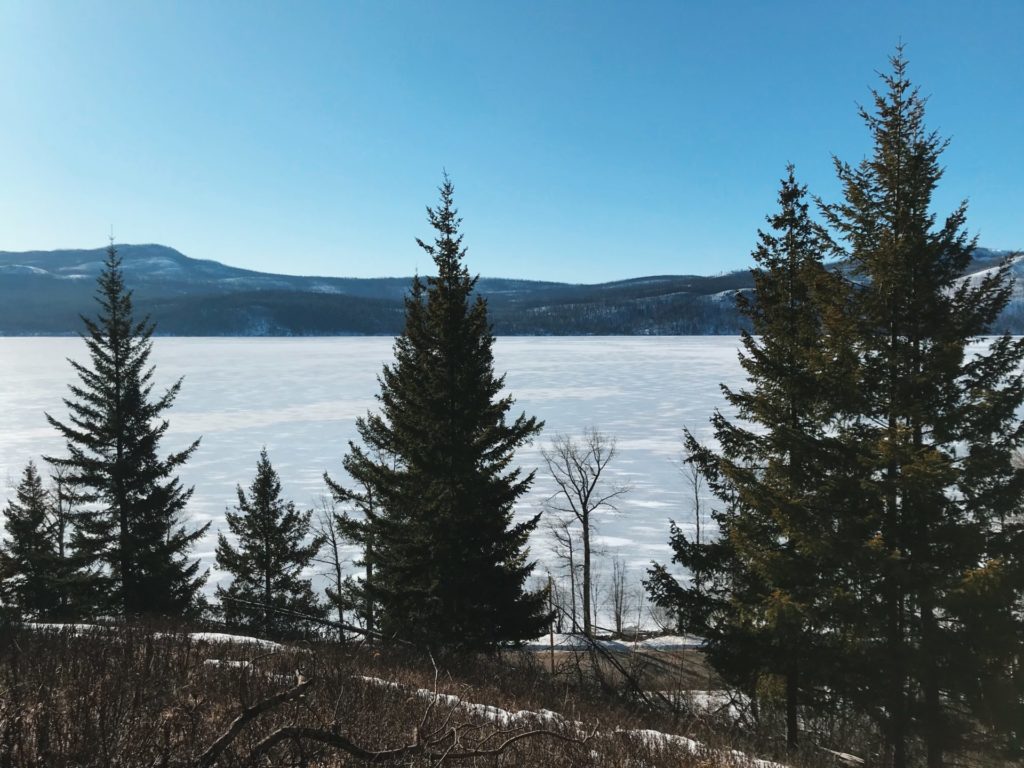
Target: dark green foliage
[33, 576]
[870, 536]
[449, 563]
[755, 588]
[203, 298]
[934, 427]
[273, 547]
[129, 529]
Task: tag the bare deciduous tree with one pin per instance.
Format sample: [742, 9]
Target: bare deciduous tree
[621, 598]
[356, 528]
[695, 484]
[578, 469]
[331, 553]
[563, 547]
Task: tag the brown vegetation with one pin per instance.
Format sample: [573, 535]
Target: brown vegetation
[142, 696]
[136, 697]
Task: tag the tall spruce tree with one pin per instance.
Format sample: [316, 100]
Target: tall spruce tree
[449, 562]
[934, 427]
[31, 570]
[130, 528]
[273, 547]
[754, 590]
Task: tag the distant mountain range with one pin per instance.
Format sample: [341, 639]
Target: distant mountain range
[44, 292]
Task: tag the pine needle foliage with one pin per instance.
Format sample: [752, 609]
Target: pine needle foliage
[273, 547]
[449, 561]
[755, 588]
[130, 528]
[937, 576]
[36, 579]
[870, 536]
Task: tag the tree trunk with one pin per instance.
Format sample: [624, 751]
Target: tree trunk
[586, 574]
[266, 597]
[369, 607]
[932, 706]
[897, 693]
[792, 695]
[572, 585]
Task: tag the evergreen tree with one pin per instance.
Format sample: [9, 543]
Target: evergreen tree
[39, 577]
[934, 427]
[449, 564]
[130, 528]
[73, 577]
[273, 547]
[879, 514]
[755, 589]
[28, 560]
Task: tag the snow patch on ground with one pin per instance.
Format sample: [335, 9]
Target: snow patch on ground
[71, 629]
[198, 637]
[670, 643]
[569, 642]
[573, 642]
[546, 717]
[222, 637]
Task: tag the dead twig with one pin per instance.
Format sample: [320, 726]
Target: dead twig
[429, 750]
[209, 757]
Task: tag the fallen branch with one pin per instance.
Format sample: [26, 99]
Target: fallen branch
[430, 749]
[209, 757]
[439, 745]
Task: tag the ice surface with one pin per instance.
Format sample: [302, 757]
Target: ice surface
[300, 398]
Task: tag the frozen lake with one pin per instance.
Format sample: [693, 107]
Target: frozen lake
[300, 398]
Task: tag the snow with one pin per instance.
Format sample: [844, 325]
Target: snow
[198, 637]
[231, 663]
[301, 397]
[221, 637]
[72, 629]
[570, 642]
[547, 718]
[21, 269]
[845, 758]
[671, 642]
[325, 288]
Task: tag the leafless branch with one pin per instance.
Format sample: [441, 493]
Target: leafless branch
[209, 757]
[430, 750]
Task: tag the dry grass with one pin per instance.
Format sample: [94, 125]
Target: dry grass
[128, 697]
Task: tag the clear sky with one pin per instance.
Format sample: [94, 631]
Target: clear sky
[587, 140]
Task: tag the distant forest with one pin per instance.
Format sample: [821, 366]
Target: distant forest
[45, 293]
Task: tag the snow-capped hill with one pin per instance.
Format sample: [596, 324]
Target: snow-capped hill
[987, 263]
[21, 269]
[45, 292]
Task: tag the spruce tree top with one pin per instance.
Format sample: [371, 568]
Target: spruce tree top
[272, 548]
[30, 568]
[449, 563]
[131, 526]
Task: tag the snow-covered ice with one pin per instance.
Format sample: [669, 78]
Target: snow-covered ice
[300, 398]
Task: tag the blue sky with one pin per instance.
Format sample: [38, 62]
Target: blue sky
[587, 141]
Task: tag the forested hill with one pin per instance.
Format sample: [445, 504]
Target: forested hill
[44, 292]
